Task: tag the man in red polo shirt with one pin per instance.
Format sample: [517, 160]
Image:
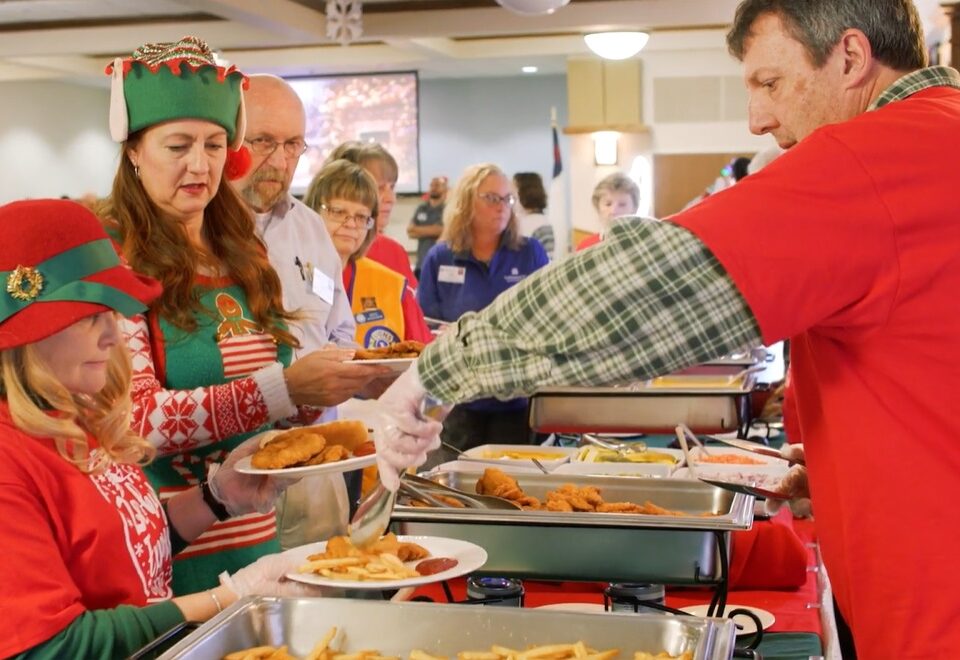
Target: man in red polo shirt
[849, 244]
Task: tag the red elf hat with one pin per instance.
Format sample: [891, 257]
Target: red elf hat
[57, 266]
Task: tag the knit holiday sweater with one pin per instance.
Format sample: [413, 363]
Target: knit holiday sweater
[196, 396]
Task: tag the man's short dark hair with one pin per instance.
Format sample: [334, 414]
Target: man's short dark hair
[892, 26]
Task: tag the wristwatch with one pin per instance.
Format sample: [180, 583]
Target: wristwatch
[216, 506]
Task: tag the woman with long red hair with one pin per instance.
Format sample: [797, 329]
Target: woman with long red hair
[212, 356]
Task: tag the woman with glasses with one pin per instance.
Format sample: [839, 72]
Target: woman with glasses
[382, 166]
[211, 355]
[480, 255]
[384, 308]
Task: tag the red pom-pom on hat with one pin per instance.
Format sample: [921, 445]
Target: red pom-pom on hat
[238, 163]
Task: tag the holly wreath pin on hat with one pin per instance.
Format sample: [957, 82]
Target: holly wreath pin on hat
[181, 80]
[57, 266]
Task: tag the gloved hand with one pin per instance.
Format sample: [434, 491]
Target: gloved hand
[406, 436]
[245, 493]
[265, 577]
[794, 483]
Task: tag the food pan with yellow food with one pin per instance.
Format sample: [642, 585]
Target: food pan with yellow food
[332, 647]
[378, 630]
[592, 454]
[503, 452]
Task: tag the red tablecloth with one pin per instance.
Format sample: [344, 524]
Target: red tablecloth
[790, 607]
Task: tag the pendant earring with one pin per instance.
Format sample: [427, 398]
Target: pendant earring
[136, 170]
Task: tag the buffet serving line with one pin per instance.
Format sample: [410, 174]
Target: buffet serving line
[582, 531]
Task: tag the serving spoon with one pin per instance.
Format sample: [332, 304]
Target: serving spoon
[471, 500]
[373, 514]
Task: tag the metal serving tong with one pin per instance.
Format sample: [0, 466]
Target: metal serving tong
[373, 514]
[622, 448]
[424, 489]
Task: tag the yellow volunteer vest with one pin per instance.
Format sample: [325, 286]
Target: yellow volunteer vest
[375, 294]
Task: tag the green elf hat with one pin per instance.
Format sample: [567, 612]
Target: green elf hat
[57, 266]
[168, 81]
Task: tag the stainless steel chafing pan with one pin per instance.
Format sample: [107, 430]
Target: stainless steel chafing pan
[622, 409]
[397, 628]
[594, 546]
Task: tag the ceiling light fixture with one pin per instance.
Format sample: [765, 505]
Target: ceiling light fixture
[529, 69]
[616, 45]
[532, 7]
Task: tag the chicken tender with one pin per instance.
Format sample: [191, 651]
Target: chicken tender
[498, 483]
[330, 454]
[288, 449]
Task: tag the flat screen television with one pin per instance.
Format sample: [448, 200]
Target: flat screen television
[379, 107]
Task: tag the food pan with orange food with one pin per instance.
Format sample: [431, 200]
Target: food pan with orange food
[721, 460]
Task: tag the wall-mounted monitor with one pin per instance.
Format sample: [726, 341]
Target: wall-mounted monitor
[380, 107]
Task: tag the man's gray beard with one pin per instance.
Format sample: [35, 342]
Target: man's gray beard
[256, 201]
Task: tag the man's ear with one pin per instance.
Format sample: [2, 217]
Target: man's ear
[857, 53]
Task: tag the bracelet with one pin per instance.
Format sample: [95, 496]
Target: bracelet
[216, 601]
[215, 505]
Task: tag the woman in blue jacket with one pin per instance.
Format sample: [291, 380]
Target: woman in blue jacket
[480, 255]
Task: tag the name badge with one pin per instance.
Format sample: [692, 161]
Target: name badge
[452, 274]
[322, 286]
[422, 216]
[369, 316]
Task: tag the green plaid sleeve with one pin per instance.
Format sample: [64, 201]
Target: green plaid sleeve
[649, 299]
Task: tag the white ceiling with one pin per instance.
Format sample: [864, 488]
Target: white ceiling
[74, 39]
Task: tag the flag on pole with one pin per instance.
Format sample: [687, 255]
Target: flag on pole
[557, 212]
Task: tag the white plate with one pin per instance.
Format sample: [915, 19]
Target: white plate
[749, 627]
[591, 608]
[350, 464]
[469, 558]
[397, 365]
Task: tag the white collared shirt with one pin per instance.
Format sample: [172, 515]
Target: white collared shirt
[300, 250]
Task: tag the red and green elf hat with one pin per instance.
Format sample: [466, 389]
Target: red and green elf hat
[57, 266]
[168, 81]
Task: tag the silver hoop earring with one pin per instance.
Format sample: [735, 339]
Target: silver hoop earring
[136, 170]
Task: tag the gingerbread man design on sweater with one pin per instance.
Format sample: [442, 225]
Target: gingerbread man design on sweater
[234, 324]
[244, 346]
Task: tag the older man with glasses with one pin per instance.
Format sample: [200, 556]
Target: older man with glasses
[304, 256]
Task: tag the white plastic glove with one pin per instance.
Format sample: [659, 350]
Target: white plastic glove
[265, 577]
[794, 483]
[245, 493]
[406, 437]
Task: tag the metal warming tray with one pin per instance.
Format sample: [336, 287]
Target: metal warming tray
[397, 628]
[641, 408]
[594, 546]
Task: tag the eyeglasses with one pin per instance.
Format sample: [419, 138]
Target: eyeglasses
[341, 217]
[493, 199]
[265, 146]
